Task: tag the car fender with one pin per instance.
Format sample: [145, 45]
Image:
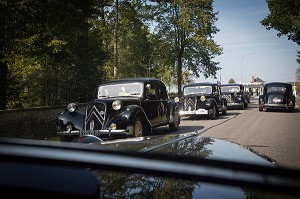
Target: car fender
[127, 115]
[75, 118]
[210, 102]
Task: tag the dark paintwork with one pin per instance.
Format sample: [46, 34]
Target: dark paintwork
[273, 100]
[192, 102]
[153, 112]
[236, 99]
[168, 166]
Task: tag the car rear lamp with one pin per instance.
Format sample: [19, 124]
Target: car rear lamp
[116, 105]
[72, 107]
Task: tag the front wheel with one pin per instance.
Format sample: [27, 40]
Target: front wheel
[138, 127]
[212, 112]
[175, 124]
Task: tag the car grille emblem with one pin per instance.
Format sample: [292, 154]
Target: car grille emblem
[92, 123]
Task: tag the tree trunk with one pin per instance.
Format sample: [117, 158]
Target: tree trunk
[3, 83]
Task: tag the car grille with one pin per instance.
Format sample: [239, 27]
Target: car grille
[190, 103]
[230, 97]
[95, 116]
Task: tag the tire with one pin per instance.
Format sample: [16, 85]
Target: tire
[212, 115]
[67, 138]
[138, 127]
[224, 112]
[176, 121]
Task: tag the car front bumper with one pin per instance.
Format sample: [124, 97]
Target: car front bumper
[98, 133]
[195, 112]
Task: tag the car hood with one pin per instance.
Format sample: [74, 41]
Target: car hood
[183, 145]
[192, 145]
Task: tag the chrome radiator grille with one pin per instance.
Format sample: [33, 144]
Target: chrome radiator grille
[227, 97]
[190, 103]
[95, 116]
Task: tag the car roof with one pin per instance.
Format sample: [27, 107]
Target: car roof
[278, 83]
[128, 80]
[201, 84]
[232, 84]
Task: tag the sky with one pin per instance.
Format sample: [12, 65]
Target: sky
[273, 58]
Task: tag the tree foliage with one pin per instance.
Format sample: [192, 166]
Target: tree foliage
[53, 52]
[188, 27]
[285, 18]
[231, 80]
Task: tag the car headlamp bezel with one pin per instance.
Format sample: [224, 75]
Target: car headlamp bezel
[116, 105]
[72, 107]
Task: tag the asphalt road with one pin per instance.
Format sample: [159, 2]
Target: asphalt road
[275, 134]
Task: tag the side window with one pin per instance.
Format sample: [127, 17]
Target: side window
[162, 92]
[151, 91]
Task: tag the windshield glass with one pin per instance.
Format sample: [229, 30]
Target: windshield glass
[230, 89]
[197, 90]
[116, 90]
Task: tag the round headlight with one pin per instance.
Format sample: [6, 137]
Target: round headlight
[202, 98]
[116, 105]
[113, 126]
[72, 107]
[176, 99]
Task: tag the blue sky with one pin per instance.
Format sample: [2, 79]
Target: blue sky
[274, 58]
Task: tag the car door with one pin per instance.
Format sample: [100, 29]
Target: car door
[151, 104]
[163, 102]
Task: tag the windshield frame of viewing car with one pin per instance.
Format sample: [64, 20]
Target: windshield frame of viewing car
[120, 90]
[230, 89]
[197, 90]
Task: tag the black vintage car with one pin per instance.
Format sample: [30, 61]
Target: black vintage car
[235, 95]
[277, 95]
[126, 107]
[202, 99]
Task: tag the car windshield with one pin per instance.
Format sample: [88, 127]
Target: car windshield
[230, 89]
[197, 90]
[124, 89]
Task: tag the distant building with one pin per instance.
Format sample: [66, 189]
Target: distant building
[255, 87]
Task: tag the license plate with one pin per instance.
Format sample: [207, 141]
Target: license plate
[276, 100]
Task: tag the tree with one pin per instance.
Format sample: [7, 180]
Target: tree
[47, 50]
[285, 18]
[231, 80]
[188, 27]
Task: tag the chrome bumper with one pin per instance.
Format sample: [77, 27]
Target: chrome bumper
[95, 132]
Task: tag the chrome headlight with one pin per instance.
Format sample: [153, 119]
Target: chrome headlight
[116, 105]
[202, 98]
[72, 107]
[176, 99]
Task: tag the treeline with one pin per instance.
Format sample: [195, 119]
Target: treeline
[54, 51]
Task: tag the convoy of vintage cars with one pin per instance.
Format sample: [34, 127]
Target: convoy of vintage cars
[133, 107]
